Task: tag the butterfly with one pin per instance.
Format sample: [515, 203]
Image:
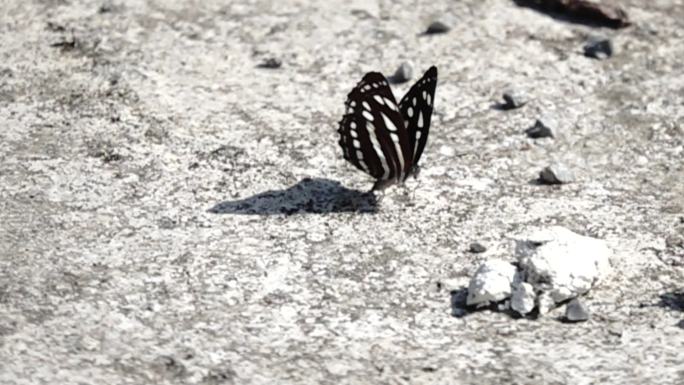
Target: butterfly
[383, 138]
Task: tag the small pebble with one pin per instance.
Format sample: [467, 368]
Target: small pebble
[477, 248]
[576, 312]
[271, 63]
[598, 48]
[542, 129]
[106, 7]
[447, 151]
[556, 174]
[513, 99]
[403, 73]
[437, 27]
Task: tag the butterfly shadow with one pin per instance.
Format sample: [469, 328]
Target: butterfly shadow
[309, 195]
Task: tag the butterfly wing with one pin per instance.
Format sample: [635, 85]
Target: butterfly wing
[416, 109]
[372, 132]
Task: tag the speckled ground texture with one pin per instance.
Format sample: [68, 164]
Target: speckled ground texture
[173, 214]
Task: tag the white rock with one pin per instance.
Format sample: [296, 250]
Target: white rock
[523, 297]
[544, 303]
[491, 283]
[562, 263]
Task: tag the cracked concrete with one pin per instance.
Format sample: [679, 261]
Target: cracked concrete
[173, 214]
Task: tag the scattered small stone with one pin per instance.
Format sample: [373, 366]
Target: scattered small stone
[543, 128]
[271, 63]
[403, 73]
[477, 248]
[576, 312]
[66, 44]
[55, 27]
[106, 7]
[491, 283]
[437, 27]
[513, 99]
[598, 48]
[556, 174]
[523, 298]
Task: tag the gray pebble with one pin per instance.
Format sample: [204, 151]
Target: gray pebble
[598, 48]
[576, 312]
[543, 128]
[513, 99]
[403, 73]
[556, 174]
[437, 27]
[477, 248]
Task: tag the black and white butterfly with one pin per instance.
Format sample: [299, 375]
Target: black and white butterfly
[381, 137]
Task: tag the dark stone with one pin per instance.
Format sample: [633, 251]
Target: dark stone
[575, 311]
[477, 248]
[403, 73]
[437, 27]
[598, 48]
[271, 63]
[556, 174]
[541, 129]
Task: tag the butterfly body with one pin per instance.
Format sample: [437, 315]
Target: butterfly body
[384, 138]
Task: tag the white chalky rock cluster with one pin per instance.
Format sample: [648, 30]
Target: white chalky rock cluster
[554, 265]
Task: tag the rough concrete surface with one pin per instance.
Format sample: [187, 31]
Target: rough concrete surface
[173, 213]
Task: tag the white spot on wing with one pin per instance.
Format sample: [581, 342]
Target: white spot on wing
[378, 150]
[429, 99]
[356, 143]
[395, 139]
[410, 112]
[420, 119]
[353, 134]
[367, 115]
[352, 125]
[378, 99]
[414, 101]
[415, 145]
[424, 94]
[366, 105]
[388, 123]
[390, 104]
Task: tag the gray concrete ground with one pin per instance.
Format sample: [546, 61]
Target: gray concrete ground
[172, 214]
